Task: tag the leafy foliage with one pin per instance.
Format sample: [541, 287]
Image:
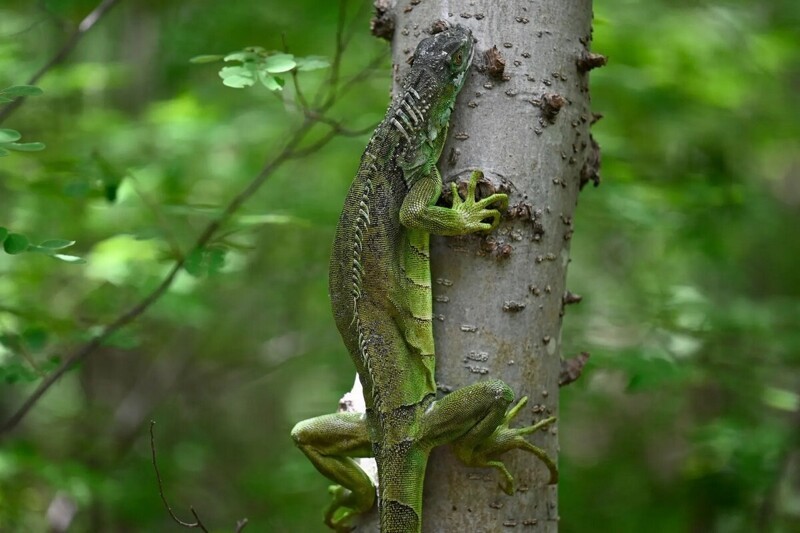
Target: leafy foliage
[9, 137]
[258, 65]
[16, 243]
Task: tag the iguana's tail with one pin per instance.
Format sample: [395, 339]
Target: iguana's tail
[401, 473]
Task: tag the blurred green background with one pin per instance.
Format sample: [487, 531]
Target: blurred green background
[688, 259]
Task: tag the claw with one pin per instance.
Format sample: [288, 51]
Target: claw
[456, 196]
[542, 455]
[514, 410]
[340, 512]
[537, 426]
[508, 485]
[473, 183]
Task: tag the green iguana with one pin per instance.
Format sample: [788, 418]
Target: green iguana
[380, 288]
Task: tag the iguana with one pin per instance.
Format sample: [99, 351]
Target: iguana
[380, 289]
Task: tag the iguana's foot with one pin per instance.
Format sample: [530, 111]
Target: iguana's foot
[344, 507]
[504, 439]
[475, 212]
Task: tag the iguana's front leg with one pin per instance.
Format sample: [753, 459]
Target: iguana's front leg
[420, 212]
[330, 442]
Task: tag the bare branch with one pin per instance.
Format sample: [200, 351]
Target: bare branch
[300, 96]
[198, 523]
[337, 126]
[85, 25]
[340, 46]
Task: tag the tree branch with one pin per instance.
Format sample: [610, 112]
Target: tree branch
[85, 25]
[240, 524]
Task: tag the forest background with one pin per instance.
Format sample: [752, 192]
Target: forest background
[687, 417]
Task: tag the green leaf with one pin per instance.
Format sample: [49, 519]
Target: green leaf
[109, 175]
[4, 152]
[782, 399]
[236, 77]
[69, 258]
[35, 338]
[51, 364]
[4, 100]
[3, 233]
[209, 58]
[26, 147]
[56, 244]
[14, 372]
[205, 261]
[312, 63]
[270, 82]
[279, 63]
[9, 136]
[21, 90]
[238, 82]
[15, 243]
[228, 72]
[194, 263]
[243, 56]
[216, 260]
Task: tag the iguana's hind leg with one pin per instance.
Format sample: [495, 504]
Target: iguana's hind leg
[330, 442]
[475, 420]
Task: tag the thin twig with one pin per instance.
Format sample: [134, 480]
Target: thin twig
[300, 96]
[352, 29]
[29, 358]
[23, 31]
[361, 75]
[198, 523]
[337, 127]
[325, 139]
[174, 245]
[337, 56]
[85, 25]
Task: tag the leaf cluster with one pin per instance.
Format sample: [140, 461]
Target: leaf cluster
[9, 138]
[255, 64]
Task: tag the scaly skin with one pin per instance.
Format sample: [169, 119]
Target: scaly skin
[380, 286]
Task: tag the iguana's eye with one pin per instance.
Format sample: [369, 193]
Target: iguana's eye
[458, 59]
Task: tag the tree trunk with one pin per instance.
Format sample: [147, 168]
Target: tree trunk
[499, 298]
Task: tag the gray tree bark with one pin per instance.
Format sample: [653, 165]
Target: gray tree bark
[499, 298]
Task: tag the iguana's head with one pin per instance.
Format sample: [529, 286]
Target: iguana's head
[443, 58]
[438, 70]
